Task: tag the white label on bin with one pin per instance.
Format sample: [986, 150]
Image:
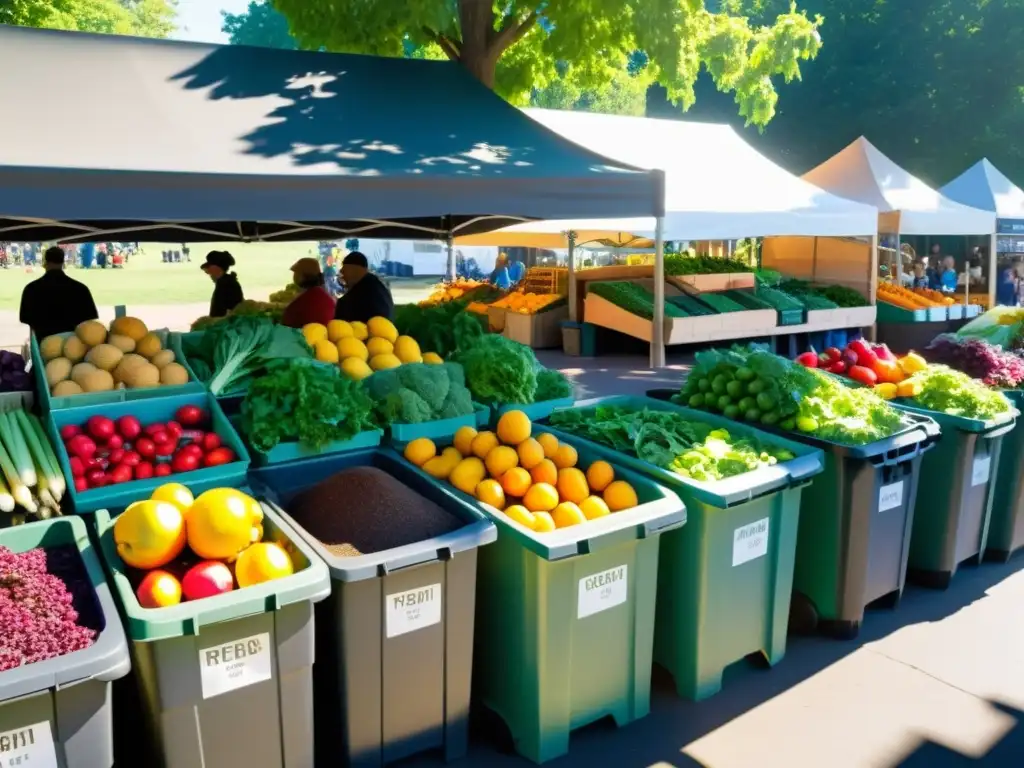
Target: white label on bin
[416, 609]
[240, 663]
[28, 747]
[981, 469]
[601, 591]
[890, 496]
[750, 542]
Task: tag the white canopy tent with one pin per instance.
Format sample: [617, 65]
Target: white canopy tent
[984, 186]
[717, 187]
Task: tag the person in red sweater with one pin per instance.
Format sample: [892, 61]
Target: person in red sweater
[314, 304]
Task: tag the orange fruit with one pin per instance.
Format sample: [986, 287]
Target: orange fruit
[568, 514]
[531, 453]
[468, 474]
[516, 482]
[594, 507]
[463, 441]
[420, 451]
[514, 427]
[565, 456]
[549, 443]
[620, 495]
[541, 498]
[500, 460]
[483, 443]
[543, 522]
[545, 472]
[522, 515]
[599, 475]
[572, 485]
[490, 492]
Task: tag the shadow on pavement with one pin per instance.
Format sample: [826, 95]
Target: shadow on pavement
[1008, 752]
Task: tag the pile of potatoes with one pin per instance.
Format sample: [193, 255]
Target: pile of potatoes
[93, 360]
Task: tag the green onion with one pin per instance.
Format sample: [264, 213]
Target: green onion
[17, 449]
[19, 490]
[6, 500]
[49, 478]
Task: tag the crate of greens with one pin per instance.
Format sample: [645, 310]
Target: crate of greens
[395, 639]
[726, 576]
[62, 647]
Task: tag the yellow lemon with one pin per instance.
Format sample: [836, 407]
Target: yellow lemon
[513, 427]
[420, 451]
[516, 482]
[338, 330]
[565, 456]
[594, 507]
[521, 515]
[483, 444]
[359, 330]
[500, 460]
[221, 523]
[377, 346]
[545, 472]
[463, 441]
[382, 328]
[599, 475]
[350, 346]
[407, 350]
[543, 522]
[549, 443]
[490, 492]
[432, 358]
[568, 514]
[149, 534]
[355, 368]
[263, 561]
[176, 494]
[314, 332]
[572, 485]
[541, 498]
[531, 453]
[325, 352]
[620, 495]
[467, 474]
[438, 467]
[384, 362]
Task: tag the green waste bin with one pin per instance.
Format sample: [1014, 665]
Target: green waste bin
[565, 620]
[57, 713]
[1006, 530]
[954, 504]
[391, 681]
[226, 681]
[725, 578]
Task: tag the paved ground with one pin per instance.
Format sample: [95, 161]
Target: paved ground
[938, 682]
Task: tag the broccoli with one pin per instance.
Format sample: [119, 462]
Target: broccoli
[417, 393]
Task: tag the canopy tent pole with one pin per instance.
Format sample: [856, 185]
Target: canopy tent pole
[450, 271]
[993, 244]
[571, 241]
[658, 329]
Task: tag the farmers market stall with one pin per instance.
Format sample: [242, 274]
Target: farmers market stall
[906, 206]
[769, 201]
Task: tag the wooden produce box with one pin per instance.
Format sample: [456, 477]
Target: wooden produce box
[540, 331]
[725, 281]
[600, 311]
[496, 319]
[860, 317]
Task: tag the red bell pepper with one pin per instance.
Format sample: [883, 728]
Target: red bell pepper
[882, 352]
[864, 375]
[808, 359]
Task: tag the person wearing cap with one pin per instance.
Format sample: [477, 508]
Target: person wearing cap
[365, 295]
[313, 304]
[56, 303]
[227, 292]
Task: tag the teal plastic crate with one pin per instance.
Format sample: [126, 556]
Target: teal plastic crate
[59, 710]
[229, 400]
[535, 411]
[49, 403]
[400, 434]
[1006, 532]
[726, 577]
[148, 411]
[284, 453]
[565, 620]
[241, 662]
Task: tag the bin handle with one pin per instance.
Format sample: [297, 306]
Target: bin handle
[441, 554]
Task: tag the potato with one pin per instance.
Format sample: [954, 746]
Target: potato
[141, 376]
[105, 356]
[129, 361]
[80, 371]
[173, 374]
[75, 349]
[97, 381]
[51, 347]
[57, 370]
[66, 388]
[162, 358]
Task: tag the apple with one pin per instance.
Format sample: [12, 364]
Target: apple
[208, 578]
[158, 589]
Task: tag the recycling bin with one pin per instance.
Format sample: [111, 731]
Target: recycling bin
[57, 713]
[565, 619]
[953, 508]
[1006, 529]
[395, 639]
[725, 578]
[226, 680]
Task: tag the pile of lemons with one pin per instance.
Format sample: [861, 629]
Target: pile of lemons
[534, 480]
[362, 348]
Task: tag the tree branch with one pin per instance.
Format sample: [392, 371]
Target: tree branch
[452, 48]
[512, 31]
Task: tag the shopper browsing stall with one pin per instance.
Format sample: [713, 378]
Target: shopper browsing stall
[227, 292]
[55, 303]
[313, 304]
[365, 295]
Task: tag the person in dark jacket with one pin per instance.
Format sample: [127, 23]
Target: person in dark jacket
[55, 303]
[314, 304]
[227, 293]
[365, 295]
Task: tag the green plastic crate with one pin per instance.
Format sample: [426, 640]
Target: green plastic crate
[535, 411]
[1006, 530]
[565, 620]
[202, 710]
[954, 506]
[725, 578]
[57, 713]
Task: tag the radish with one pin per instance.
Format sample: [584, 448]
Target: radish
[66, 433]
[114, 442]
[144, 470]
[82, 446]
[97, 478]
[190, 416]
[211, 441]
[162, 470]
[174, 428]
[219, 456]
[77, 467]
[116, 456]
[81, 484]
[100, 427]
[184, 462]
[131, 459]
[129, 427]
[145, 447]
[120, 474]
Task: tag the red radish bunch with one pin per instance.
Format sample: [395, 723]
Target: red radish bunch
[106, 452]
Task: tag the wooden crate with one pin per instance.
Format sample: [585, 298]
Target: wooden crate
[540, 331]
[496, 319]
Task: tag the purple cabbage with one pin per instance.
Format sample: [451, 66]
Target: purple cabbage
[978, 359]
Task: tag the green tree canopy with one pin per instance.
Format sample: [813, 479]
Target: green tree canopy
[260, 24]
[146, 18]
[518, 46]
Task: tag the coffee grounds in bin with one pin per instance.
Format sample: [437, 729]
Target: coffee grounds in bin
[363, 510]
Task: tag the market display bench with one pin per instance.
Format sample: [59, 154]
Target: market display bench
[906, 329]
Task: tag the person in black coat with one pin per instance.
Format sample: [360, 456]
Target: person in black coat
[227, 293]
[56, 303]
[365, 295]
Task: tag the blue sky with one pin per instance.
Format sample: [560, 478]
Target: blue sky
[200, 20]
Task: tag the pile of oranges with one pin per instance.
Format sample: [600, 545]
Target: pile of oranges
[534, 480]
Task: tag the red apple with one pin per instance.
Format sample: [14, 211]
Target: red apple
[207, 579]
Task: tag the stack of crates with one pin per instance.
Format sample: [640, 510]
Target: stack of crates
[547, 280]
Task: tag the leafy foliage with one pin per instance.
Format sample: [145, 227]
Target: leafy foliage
[145, 18]
[957, 394]
[417, 393]
[522, 45]
[261, 25]
[978, 359]
[499, 370]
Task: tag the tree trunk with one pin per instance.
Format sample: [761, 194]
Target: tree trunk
[477, 54]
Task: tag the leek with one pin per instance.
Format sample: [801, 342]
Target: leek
[22, 495]
[48, 479]
[6, 500]
[17, 449]
[51, 457]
